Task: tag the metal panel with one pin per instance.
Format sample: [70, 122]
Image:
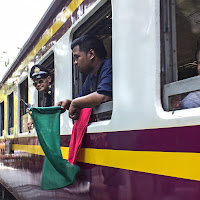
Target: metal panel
[104, 107]
[168, 41]
[180, 87]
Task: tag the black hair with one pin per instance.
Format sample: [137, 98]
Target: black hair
[197, 55]
[88, 42]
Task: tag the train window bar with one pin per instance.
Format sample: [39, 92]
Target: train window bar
[168, 41]
[179, 88]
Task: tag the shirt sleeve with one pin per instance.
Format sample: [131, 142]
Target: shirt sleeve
[105, 83]
[190, 101]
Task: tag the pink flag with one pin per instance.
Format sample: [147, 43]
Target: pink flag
[79, 129]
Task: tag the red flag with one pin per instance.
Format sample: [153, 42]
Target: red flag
[79, 129]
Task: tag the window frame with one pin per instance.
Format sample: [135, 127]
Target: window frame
[8, 113]
[77, 78]
[19, 101]
[169, 68]
[2, 118]
[168, 42]
[44, 59]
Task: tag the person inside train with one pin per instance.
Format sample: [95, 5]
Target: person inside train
[192, 100]
[90, 57]
[42, 81]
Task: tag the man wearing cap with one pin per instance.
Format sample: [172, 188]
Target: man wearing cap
[42, 81]
[90, 57]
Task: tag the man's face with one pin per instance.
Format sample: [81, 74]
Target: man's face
[42, 84]
[81, 60]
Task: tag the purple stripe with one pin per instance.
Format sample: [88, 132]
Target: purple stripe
[178, 139]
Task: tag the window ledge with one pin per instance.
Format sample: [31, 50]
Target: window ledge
[104, 107]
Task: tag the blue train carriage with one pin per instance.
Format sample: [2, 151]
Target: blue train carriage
[143, 145]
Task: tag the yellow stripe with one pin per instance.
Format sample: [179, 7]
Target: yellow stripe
[53, 29]
[34, 149]
[174, 164]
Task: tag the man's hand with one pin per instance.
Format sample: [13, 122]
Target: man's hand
[65, 104]
[74, 111]
[88, 101]
[30, 124]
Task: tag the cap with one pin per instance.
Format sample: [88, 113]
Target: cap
[38, 71]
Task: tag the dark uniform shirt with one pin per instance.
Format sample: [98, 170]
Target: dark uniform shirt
[49, 97]
[101, 83]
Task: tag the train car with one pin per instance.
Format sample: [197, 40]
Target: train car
[142, 145]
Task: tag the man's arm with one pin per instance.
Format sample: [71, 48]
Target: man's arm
[88, 101]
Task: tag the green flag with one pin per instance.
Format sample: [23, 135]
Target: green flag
[56, 172]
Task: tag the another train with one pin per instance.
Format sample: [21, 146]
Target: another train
[142, 145]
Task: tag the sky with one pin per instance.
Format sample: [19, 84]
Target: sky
[18, 20]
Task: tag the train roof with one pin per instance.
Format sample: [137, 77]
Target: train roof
[52, 11]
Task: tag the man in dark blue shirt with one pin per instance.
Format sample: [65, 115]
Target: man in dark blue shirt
[90, 57]
[102, 82]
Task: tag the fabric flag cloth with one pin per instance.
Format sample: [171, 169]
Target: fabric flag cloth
[56, 172]
[79, 129]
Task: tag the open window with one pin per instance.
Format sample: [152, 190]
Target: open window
[99, 24]
[1, 118]
[49, 64]
[23, 87]
[180, 39]
[10, 114]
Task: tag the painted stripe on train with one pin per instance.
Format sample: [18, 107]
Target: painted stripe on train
[174, 164]
[176, 139]
[53, 29]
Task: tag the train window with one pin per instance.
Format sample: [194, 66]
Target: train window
[23, 87]
[10, 114]
[2, 118]
[49, 64]
[180, 40]
[99, 24]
